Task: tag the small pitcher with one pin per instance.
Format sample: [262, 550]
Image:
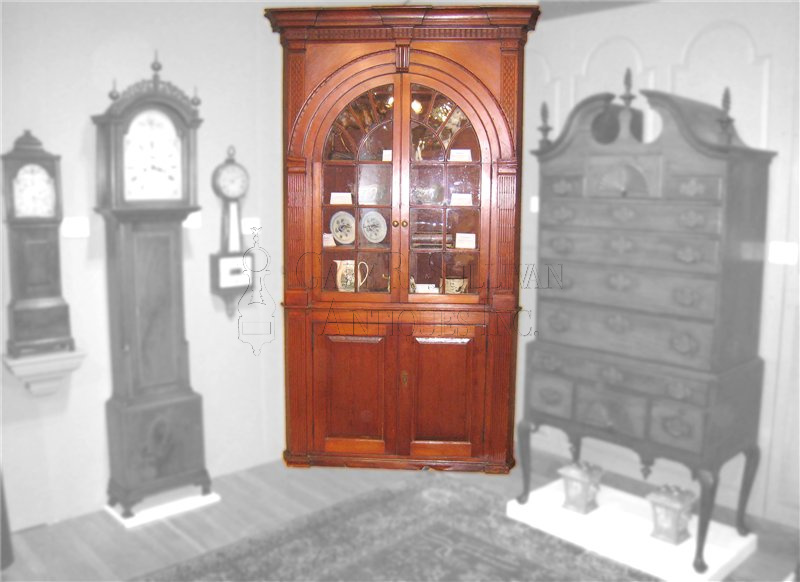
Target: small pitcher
[346, 275]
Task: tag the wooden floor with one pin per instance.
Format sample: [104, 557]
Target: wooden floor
[96, 547]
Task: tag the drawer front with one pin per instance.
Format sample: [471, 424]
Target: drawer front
[549, 393]
[621, 373]
[652, 216]
[611, 411]
[665, 293]
[660, 339]
[691, 254]
[677, 425]
[693, 187]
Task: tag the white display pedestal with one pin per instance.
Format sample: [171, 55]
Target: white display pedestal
[620, 528]
[163, 505]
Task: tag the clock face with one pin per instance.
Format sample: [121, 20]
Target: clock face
[152, 158]
[34, 192]
[232, 181]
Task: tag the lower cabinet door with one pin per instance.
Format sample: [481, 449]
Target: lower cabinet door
[355, 392]
[441, 392]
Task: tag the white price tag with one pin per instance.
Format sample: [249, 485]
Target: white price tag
[328, 240]
[465, 240]
[387, 155]
[460, 155]
[460, 199]
[341, 198]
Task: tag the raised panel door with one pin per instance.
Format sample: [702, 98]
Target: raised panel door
[355, 392]
[442, 380]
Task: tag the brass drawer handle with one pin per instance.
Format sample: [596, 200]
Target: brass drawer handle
[618, 323]
[404, 223]
[686, 296]
[562, 187]
[677, 427]
[562, 214]
[562, 245]
[612, 375]
[559, 322]
[551, 363]
[622, 245]
[691, 219]
[623, 214]
[395, 223]
[678, 390]
[685, 344]
[620, 282]
[551, 397]
[599, 415]
[688, 255]
[692, 188]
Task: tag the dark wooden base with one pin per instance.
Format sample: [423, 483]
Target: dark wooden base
[332, 460]
[128, 497]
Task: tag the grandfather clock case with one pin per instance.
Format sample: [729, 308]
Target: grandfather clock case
[402, 135]
[146, 147]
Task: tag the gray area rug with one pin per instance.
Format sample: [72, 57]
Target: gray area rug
[438, 531]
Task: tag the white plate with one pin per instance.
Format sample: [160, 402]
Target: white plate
[373, 226]
[343, 228]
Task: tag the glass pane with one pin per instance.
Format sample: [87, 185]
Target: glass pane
[421, 98]
[464, 185]
[442, 108]
[339, 145]
[382, 101]
[378, 145]
[373, 228]
[456, 120]
[427, 184]
[362, 110]
[425, 272]
[373, 272]
[464, 147]
[426, 228]
[424, 144]
[461, 273]
[340, 181]
[338, 227]
[464, 225]
[375, 184]
[338, 270]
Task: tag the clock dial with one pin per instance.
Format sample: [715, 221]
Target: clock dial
[232, 181]
[34, 192]
[152, 158]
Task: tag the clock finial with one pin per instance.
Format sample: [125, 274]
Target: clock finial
[726, 121]
[545, 128]
[156, 65]
[113, 94]
[231, 152]
[195, 99]
[627, 97]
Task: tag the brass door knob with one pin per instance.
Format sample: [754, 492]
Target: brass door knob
[395, 223]
[405, 223]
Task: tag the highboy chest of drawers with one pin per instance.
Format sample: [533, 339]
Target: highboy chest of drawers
[651, 340]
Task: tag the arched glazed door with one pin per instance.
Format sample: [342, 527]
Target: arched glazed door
[400, 213]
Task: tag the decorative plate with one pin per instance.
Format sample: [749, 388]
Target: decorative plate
[343, 228]
[373, 225]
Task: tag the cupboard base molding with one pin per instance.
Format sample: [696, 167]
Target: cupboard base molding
[383, 462]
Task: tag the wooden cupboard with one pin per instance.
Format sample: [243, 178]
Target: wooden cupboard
[402, 135]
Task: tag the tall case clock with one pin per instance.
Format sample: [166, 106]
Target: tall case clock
[146, 172]
[38, 315]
